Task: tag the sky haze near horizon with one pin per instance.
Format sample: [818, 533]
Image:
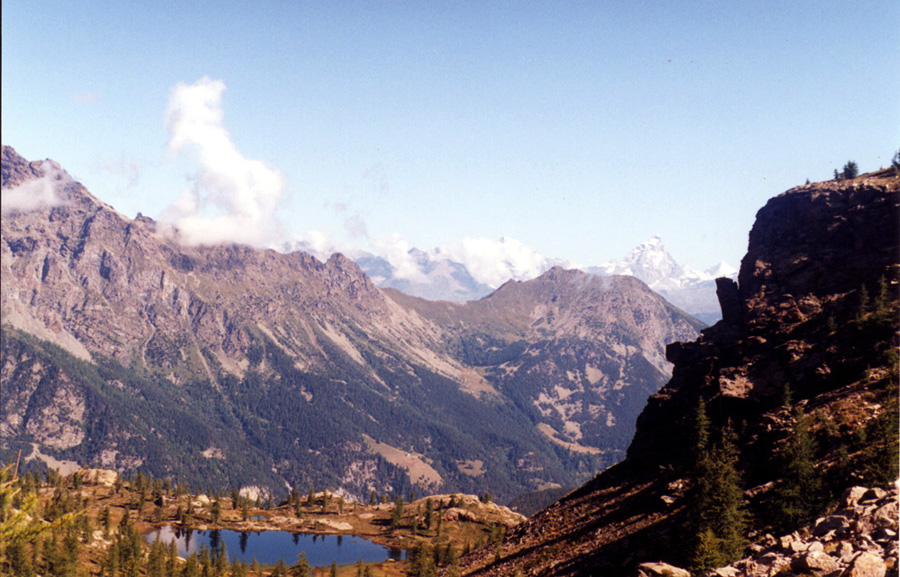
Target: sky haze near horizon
[580, 129]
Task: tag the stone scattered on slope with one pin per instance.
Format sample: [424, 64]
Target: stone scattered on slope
[857, 540]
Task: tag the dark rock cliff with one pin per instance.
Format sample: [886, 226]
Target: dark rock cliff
[812, 251]
[814, 316]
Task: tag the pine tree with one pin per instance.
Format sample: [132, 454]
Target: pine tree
[301, 568]
[156, 560]
[18, 560]
[68, 558]
[191, 567]
[171, 558]
[397, 513]
[20, 519]
[216, 513]
[451, 559]
[863, 304]
[421, 562]
[707, 553]
[221, 560]
[429, 511]
[799, 490]
[881, 297]
[238, 569]
[883, 454]
[280, 570]
[718, 519]
[700, 434]
[205, 559]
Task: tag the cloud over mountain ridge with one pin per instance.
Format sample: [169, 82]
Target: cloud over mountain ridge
[472, 268]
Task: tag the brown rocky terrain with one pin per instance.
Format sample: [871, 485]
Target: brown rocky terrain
[859, 539]
[244, 366]
[811, 325]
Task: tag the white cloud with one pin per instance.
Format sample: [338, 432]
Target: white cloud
[43, 192]
[395, 249]
[232, 198]
[494, 262]
[317, 243]
[490, 262]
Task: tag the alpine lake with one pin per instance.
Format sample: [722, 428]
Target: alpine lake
[267, 547]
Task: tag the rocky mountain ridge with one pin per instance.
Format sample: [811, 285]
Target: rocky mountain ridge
[124, 349]
[434, 275]
[808, 342]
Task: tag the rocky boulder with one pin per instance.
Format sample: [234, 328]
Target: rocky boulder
[859, 540]
[102, 477]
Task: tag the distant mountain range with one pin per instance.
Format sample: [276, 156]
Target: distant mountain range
[435, 275]
[234, 366]
[438, 279]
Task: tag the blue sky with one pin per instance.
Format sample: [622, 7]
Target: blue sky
[580, 129]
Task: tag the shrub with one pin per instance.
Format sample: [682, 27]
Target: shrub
[851, 170]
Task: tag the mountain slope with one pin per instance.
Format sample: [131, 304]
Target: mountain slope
[579, 354]
[801, 323]
[233, 365]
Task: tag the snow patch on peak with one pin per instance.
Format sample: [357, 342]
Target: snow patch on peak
[687, 288]
[652, 263]
[722, 269]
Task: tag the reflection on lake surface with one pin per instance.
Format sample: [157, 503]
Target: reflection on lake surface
[270, 546]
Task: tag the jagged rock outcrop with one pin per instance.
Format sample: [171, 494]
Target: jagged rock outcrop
[813, 250]
[804, 323]
[730, 302]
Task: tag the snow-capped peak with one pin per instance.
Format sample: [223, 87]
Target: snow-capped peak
[722, 269]
[651, 262]
[686, 287]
